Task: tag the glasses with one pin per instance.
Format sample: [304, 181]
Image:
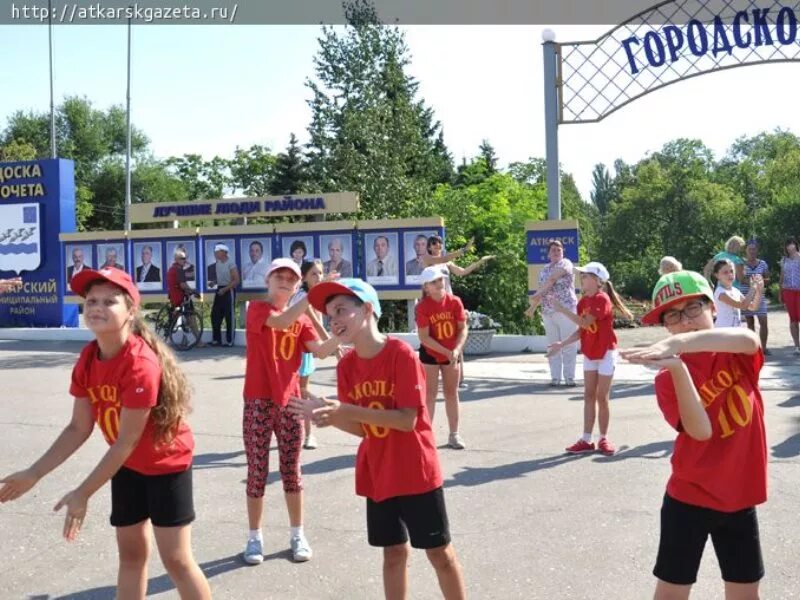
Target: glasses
[673, 317]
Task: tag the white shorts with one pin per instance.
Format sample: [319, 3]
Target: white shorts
[603, 366]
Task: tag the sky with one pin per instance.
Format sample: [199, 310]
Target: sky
[209, 89]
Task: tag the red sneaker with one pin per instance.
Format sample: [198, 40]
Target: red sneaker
[606, 447]
[580, 447]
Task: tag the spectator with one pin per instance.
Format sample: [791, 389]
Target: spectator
[557, 285]
[733, 251]
[224, 301]
[669, 264]
[755, 267]
[790, 288]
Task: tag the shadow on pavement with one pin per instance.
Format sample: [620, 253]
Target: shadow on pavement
[472, 476]
[217, 460]
[653, 450]
[788, 448]
[163, 583]
[329, 465]
[791, 402]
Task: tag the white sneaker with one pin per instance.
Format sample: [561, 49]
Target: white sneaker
[310, 442]
[254, 552]
[456, 442]
[301, 551]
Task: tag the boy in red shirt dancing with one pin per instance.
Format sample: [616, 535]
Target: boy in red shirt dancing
[708, 391]
[381, 390]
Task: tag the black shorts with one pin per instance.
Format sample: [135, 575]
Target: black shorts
[164, 499]
[423, 517]
[684, 530]
[426, 358]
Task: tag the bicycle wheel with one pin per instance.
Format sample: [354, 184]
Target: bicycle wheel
[186, 330]
[161, 322]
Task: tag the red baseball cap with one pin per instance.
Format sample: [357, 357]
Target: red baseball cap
[117, 277]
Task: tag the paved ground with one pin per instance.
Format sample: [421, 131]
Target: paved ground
[528, 521]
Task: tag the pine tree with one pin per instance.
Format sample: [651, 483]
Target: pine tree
[369, 132]
[290, 176]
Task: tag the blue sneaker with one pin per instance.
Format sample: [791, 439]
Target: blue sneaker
[254, 552]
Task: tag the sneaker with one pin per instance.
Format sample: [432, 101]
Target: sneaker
[301, 551]
[463, 385]
[606, 447]
[570, 383]
[254, 552]
[580, 447]
[797, 350]
[310, 442]
[456, 442]
[555, 382]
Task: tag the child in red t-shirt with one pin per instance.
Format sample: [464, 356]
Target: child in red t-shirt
[381, 390]
[277, 335]
[595, 320]
[128, 382]
[441, 326]
[708, 391]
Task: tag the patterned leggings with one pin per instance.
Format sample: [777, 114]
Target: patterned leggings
[261, 418]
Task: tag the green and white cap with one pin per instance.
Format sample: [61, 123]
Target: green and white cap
[673, 288]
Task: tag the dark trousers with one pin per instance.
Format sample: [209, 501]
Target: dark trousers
[222, 309]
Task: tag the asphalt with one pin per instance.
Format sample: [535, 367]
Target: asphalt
[528, 521]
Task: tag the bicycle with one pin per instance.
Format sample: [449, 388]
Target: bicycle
[181, 326]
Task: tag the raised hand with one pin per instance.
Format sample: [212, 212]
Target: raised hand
[10, 285]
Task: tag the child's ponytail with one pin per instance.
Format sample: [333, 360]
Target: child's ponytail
[617, 301]
[173, 394]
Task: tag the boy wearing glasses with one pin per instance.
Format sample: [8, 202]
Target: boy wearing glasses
[708, 391]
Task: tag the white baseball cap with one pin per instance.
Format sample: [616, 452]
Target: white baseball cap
[283, 263]
[595, 268]
[432, 274]
[222, 247]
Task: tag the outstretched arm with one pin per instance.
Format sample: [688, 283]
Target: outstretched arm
[463, 271]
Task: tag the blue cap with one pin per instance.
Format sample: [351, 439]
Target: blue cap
[318, 295]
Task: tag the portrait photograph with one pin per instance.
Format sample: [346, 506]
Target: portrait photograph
[148, 265]
[111, 254]
[415, 246]
[211, 260]
[190, 266]
[336, 253]
[380, 250]
[78, 257]
[256, 253]
[299, 248]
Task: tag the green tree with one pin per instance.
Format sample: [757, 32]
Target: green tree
[290, 172]
[487, 153]
[85, 134]
[369, 133]
[16, 150]
[252, 170]
[603, 192]
[203, 180]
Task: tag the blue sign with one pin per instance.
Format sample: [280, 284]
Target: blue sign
[537, 241]
[37, 202]
[748, 30]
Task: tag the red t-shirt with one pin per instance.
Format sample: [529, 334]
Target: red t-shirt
[175, 276]
[274, 355]
[441, 319]
[599, 337]
[729, 471]
[390, 463]
[131, 379]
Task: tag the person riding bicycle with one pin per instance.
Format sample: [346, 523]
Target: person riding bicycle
[180, 292]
